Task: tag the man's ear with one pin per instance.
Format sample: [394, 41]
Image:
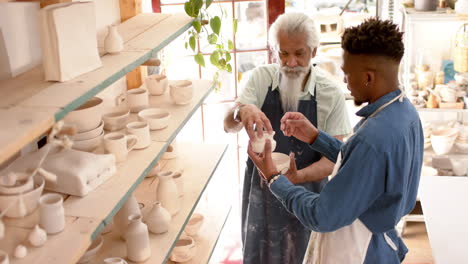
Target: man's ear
[314, 52]
[370, 76]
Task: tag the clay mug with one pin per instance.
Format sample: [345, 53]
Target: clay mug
[137, 99]
[142, 131]
[119, 144]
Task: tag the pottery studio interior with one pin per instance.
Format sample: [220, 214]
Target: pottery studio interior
[233, 131]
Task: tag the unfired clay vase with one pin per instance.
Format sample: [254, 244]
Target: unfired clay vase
[121, 218]
[137, 239]
[158, 219]
[167, 192]
[157, 84]
[37, 237]
[52, 214]
[20, 251]
[113, 43]
[181, 92]
[259, 144]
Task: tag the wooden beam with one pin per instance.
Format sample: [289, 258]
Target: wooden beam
[129, 9]
[45, 3]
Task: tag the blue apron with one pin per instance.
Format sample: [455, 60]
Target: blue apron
[270, 234]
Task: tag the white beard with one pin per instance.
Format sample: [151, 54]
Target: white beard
[291, 87]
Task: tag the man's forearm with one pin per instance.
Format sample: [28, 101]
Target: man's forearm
[316, 171]
[319, 170]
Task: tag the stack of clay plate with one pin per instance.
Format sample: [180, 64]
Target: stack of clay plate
[69, 42]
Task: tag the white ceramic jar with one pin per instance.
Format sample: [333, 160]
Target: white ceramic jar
[137, 239]
[52, 214]
[167, 192]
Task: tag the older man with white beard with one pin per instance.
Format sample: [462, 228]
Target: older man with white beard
[270, 234]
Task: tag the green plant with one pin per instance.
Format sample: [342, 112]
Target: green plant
[206, 26]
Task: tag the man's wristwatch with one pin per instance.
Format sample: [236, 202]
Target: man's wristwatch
[236, 114]
[273, 179]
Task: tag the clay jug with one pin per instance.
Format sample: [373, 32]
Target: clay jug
[137, 239]
[113, 43]
[167, 192]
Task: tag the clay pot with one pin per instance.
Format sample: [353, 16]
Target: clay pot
[158, 219]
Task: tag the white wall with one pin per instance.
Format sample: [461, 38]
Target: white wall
[21, 37]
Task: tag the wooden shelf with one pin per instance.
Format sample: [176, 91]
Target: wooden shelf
[88, 215]
[216, 215]
[139, 162]
[199, 162]
[442, 110]
[29, 94]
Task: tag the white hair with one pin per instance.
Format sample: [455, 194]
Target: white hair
[293, 23]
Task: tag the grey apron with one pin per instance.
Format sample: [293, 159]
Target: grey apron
[270, 234]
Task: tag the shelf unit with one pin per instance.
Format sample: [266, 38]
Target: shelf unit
[29, 107]
[196, 178]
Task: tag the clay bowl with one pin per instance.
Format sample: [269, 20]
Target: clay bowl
[20, 186]
[88, 144]
[91, 251]
[181, 92]
[281, 161]
[442, 140]
[87, 116]
[156, 118]
[170, 153]
[115, 120]
[157, 84]
[89, 134]
[194, 224]
[184, 250]
[30, 199]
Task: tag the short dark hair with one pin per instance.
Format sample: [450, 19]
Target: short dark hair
[374, 37]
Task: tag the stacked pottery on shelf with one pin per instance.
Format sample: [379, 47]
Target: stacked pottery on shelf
[87, 120]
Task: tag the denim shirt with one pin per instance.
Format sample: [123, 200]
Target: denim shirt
[378, 179]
